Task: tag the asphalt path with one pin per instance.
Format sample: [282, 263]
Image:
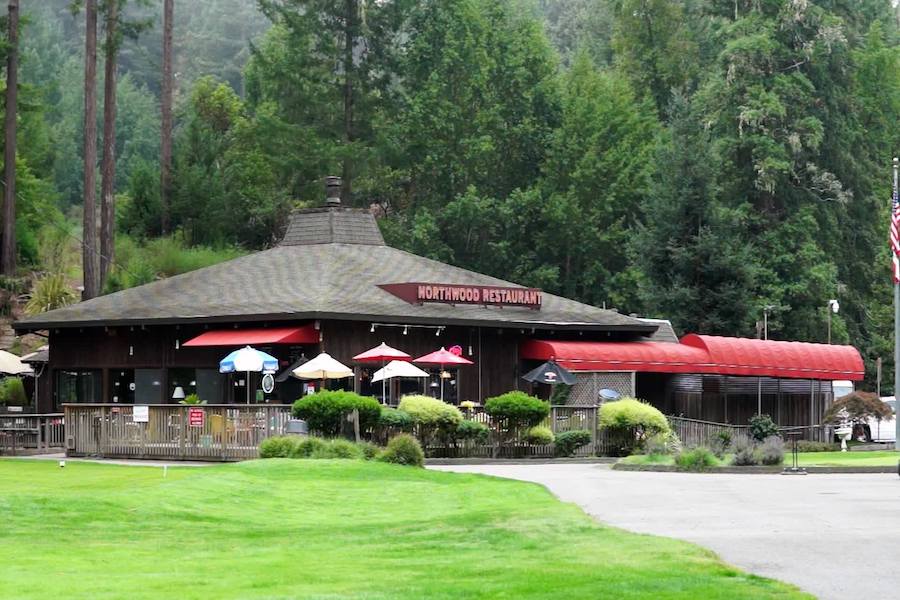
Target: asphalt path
[834, 535]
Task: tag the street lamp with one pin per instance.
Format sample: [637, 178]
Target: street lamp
[766, 310]
[833, 307]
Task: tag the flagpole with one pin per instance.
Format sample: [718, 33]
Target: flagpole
[896, 321]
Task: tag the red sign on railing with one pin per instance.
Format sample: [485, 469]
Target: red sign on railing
[196, 417]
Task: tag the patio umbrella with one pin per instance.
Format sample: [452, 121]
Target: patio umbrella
[322, 367]
[248, 360]
[382, 353]
[550, 373]
[10, 364]
[442, 357]
[398, 368]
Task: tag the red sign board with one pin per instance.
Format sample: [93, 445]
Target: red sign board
[196, 417]
[451, 293]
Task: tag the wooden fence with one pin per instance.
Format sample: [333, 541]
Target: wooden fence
[693, 432]
[221, 432]
[29, 434]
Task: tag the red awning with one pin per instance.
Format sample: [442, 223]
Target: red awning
[705, 354]
[305, 334]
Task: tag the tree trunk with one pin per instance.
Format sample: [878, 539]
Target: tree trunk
[165, 159]
[108, 166]
[350, 34]
[8, 252]
[89, 243]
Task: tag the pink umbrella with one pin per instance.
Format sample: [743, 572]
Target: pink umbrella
[382, 353]
[440, 358]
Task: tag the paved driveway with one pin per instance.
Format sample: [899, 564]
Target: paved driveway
[837, 536]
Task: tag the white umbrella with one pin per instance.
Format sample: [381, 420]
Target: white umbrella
[10, 364]
[322, 367]
[398, 368]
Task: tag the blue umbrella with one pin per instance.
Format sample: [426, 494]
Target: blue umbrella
[248, 360]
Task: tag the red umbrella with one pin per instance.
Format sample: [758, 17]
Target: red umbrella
[382, 353]
[440, 358]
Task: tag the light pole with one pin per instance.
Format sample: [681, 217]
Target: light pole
[766, 310]
[833, 307]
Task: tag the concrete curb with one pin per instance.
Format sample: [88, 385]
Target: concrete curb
[758, 470]
[521, 461]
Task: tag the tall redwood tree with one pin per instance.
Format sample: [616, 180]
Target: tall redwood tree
[89, 236]
[8, 252]
[165, 158]
[108, 164]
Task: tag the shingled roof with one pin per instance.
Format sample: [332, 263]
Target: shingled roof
[329, 265]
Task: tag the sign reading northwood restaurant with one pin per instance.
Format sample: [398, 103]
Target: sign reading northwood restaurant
[445, 293]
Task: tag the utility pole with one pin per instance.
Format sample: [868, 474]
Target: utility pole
[895, 200]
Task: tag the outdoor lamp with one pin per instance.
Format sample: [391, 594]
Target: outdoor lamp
[178, 394]
[834, 306]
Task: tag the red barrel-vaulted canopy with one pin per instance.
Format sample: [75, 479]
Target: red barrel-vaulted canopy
[704, 354]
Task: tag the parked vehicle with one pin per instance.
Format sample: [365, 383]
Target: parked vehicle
[886, 429]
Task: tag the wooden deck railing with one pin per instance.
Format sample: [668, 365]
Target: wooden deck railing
[31, 432]
[220, 432]
[693, 432]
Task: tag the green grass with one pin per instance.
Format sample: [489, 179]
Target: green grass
[877, 458]
[327, 529]
[649, 459]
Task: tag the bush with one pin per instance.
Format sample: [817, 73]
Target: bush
[12, 392]
[809, 446]
[433, 417]
[631, 422]
[771, 451]
[695, 459]
[661, 444]
[539, 436]
[369, 451]
[403, 449]
[326, 410]
[473, 430]
[277, 447]
[338, 448]
[721, 443]
[744, 452]
[857, 408]
[306, 447]
[762, 426]
[395, 419]
[517, 410]
[568, 442]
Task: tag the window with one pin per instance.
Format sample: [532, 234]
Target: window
[83, 386]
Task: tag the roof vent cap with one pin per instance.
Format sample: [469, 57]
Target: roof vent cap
[333, 191]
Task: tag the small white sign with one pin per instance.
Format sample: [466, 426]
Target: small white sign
[268, 383]
[141, 414]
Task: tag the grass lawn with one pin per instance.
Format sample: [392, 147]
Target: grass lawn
[327, 529]
[877, 458]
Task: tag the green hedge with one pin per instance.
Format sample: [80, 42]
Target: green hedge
[630, 422]
[403, 449]
[12, 392]
[430, 412]
[395, 418]
[568, 442]
[324, 411]
[517, 409]
[314, 447]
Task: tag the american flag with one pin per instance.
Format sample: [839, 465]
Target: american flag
[895, 237]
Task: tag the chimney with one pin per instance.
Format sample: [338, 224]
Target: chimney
[332, 191]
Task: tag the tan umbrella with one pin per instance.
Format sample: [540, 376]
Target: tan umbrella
[322, 367]
[10, 364]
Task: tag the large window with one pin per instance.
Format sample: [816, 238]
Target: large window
[208, 384]
[81, 386]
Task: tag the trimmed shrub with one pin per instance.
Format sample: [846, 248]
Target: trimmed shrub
[403, 449]
[338, 448]
[744, 452]
[326, 410]
[695, 459]
[473, 430]
[306, 447]
[433, 417]
[539, 436]
[12, 392]
[771, 451]
[762, 426]
[568, 442]
[277, 447]
[395, 418]
[517, 410]
[631, 421]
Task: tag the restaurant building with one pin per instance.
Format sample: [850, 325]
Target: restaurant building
[333, 285]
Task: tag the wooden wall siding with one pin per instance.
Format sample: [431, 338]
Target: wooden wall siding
[228, 432]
